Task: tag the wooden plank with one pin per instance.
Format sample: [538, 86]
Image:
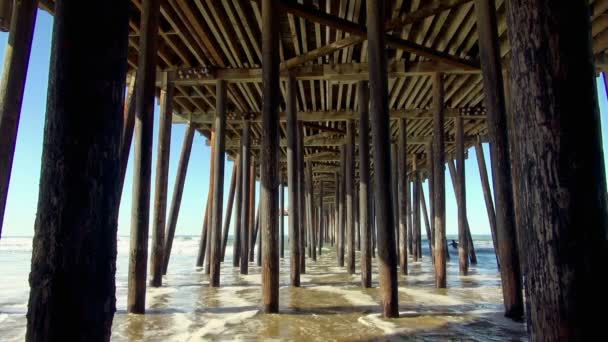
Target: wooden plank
[387, 263]
[12, 84]
[142, 162]
[72, 278]
[501, 166]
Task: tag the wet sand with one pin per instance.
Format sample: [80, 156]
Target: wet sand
[330, 305]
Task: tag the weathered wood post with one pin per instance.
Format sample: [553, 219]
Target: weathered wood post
[12, 84]
[269, 161]
[178, 190]
[403, 198]
[497, 128]
[203, 251]
[301, 197]
[431, 180]
[416, 194]
[427, 224]
[439, 180]
[72, 278]
[127, 130]
[470, 246]
[231, 199]
[217, 204]
[487, 196]
[463, 241]
[364, 200]
[281, 213]
[162, 175]
[395, 192]
[292, 180]
[321, 216]
[341, 209]
[560, 167]
[349, 176]
[253, 212]
[142, 161]
[310, 220]
[238, 231]
[387, 268]
[336, 212]
[246, 198]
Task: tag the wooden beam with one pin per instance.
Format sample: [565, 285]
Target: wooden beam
[142, 164]
[343, 72]
[501, 166]
[269, 157]
[387, 265]
[161, 183]
[12, 85]
[72, 280]
[178, 190]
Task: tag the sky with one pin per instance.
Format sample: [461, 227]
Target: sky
[23, 190]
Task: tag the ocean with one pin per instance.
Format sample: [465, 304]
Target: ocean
[330, 305]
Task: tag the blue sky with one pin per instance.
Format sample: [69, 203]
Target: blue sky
[23, 191]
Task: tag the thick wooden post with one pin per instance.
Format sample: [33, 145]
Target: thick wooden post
[269, 152]
[246, 198]
[439, 181]
[12, 84]
[364, 186]
[395, 192]
[281, 213]
[341, 209]
[238, 200]
[416, 194]
[162, 175]
[487, 195]
[292, 180]
[72, 279]
[218, 188]
[349, 175]
[470, 246]
[497, 128]
[253, 212]
[178, 190]
[387, 268]
[231, 199]
[310, 220]
[301, 197]
[431, 180]
[560, 167]
[463, 241]
[403, 197]
[321, 218]
[142, 163]
[202, 249]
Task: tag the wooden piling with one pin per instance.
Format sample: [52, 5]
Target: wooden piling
[301, 197]
[127, 131]
[310, 220]
[142, 161]
[218, 188]
[560, 169]
[387, 266]
[162, 175]
[416, 193]
[72, 280]
[253, 212]
[341, 209]
[487, 196]
[463, 241]
[202, 249]
[246, 198]
[281, 215]
[238, 231]
[470, 247]
[292, 180]
[395, 192]
[349, 176]
[12, 85]
[491, 65]
[321, 216]
[231, 199]
[178, 190]
[403, 197]
[364, 198]
[439, 180]
[270, 147]
[427, 224]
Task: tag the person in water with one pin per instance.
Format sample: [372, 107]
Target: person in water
[454, 244]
